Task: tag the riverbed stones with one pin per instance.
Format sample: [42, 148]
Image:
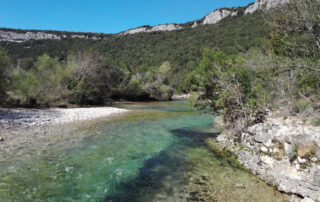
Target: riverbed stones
[301, 160]
[264, 149]
[239, 186]
[307, 199]
[314, 159]
[262, 137]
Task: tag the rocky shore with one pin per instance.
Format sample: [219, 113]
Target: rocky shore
[282, 151]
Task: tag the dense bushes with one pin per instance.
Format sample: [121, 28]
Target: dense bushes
[239, 86]
[84, 78]
[4, 66]
[182, 48]
[40, 84]
[149, 84]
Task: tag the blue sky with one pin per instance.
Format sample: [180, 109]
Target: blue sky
[107, 16]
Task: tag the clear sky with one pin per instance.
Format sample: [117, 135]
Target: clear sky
[107, 16]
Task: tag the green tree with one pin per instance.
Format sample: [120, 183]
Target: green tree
[42, 83]
[4, 66]
[296, 26]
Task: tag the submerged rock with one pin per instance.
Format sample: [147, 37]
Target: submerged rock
[240, 186]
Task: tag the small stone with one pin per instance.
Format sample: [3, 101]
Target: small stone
[261, 137]
[43, 132]
[307, 199]
[264, 149]
[1, 139]
[302, 161]
[314, 159]
[240, 186]
[268, 143]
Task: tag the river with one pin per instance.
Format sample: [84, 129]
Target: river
[156, 152]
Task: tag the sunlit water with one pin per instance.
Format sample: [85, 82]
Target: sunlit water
[157, 152]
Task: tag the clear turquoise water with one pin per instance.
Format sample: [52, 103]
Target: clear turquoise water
[157, 152]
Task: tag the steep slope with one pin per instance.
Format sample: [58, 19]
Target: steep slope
[182, 48]
[230, 30]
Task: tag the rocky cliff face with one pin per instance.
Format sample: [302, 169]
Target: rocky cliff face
[263, 4]
[212, 18]
[165, 27]
[216, 16]
[20, 37]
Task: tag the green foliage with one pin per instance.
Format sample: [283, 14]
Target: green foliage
[301, 105]
[226, 85]
[40, 84]
[182, 48]
[85, 92]
[4, 66]
[308, 82]
[296, 30]
[152, 84]
[93, 79]
[24, 85]
[239, 86]
[315, 121]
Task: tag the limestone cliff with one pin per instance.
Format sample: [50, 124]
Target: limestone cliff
[263, 4]
[215, 16]
[12, 36]
[164, 27]
[212, 18]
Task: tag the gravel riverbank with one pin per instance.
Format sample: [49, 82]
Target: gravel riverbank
[22, 128]
[26, 118]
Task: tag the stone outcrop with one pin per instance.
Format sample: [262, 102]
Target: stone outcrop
[162, 28]
[263, 4]
[212, 18]
[283, 152]
[216, 16]
[20, 37]
[37, 35]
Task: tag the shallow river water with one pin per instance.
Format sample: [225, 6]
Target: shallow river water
[156, 152]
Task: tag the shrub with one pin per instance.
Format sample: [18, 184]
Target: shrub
[40, 84]
[4, 66]
[315, 121]
[301, 105]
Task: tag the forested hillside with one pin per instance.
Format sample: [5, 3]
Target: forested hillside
[138, 57]
[146, 66]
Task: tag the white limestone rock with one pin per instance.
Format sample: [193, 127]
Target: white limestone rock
[263, 4]
[164, 27]
[264, 149]
[216, 16]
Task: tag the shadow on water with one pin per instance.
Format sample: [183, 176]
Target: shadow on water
[165, 175]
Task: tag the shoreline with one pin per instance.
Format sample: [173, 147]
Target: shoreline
[24, 118]
[22, 129]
